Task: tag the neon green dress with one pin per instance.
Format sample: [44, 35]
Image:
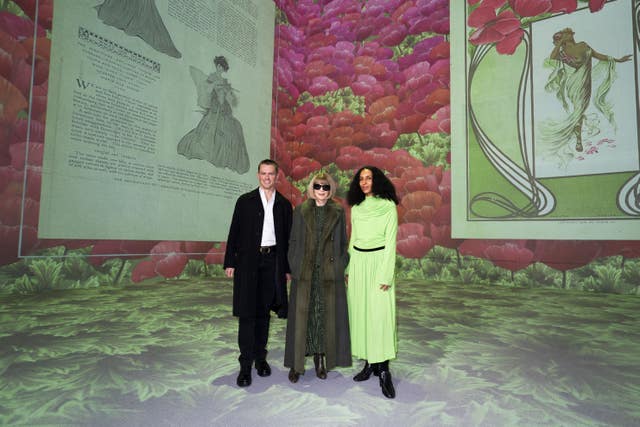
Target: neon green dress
[372, 311]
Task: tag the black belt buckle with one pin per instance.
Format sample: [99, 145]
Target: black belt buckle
[266, 249]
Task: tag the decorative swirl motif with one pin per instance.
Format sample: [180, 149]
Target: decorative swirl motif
[629, 194]
[541, 200]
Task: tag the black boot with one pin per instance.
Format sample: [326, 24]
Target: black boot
[293, 376]
[365, 373]
[321, 370]
[385, 380]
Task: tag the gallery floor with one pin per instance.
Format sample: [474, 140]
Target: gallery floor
[163, 353]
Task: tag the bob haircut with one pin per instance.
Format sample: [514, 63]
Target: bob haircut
[321, 176]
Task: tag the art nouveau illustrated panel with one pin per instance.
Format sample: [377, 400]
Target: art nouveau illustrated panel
[545, 119]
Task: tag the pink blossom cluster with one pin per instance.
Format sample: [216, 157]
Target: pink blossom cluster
[499, 21]
[329, 46]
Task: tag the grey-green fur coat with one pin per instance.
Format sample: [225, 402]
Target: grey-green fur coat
[333, 244]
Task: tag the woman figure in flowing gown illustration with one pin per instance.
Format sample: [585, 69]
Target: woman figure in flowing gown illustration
[572, 78]
[139, 18]
[218, 137]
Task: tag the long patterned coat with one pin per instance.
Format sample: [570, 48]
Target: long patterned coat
[333, 244]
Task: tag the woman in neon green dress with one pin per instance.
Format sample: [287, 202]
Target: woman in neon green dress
[370, 292]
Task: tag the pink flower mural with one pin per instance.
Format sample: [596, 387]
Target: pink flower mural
[355, 83]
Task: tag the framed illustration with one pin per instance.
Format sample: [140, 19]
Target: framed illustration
[545, 121]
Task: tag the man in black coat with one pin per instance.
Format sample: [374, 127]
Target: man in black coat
[256, 258]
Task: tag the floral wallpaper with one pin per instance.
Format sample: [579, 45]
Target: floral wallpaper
[354, 83]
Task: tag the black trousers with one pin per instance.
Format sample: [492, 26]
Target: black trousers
[253, 332]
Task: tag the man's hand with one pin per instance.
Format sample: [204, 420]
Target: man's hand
[229, 271]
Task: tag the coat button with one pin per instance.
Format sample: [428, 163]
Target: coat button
[331, 259]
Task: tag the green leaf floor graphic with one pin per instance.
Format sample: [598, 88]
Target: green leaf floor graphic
[164, 353]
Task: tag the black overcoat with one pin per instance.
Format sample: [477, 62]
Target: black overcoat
[242, 254]
[333, 246]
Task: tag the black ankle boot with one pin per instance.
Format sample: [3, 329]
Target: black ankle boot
[321, 370]
[365, 373]
[385, 381]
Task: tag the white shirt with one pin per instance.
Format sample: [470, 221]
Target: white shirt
[268, 227]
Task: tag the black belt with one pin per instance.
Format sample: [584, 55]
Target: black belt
[267, 249]
[379, 248]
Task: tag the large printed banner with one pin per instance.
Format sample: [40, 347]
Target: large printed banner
[159, 113]
[545, 121]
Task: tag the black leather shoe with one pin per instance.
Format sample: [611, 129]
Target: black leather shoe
[293, 376]
[365, 373]
[244, 379]
[321, 370]
[263, 368]
[386, 385]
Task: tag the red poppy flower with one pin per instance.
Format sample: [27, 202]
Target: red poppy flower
[509, 256]
[321, 85]
[19, 151]
[407, 119]
[596, 5]
[45, 10]
[566, 254]
[477, 247]
[440, 51]
[350, 158]
[169, 258]
[303, 166]
[318, 68]
[422, 178]
[19, 27]
[440, 122]
[420, 206]
[411, 241]
[441, 235]
[340, 136]
[12, 101]
[383, 109]
[433, 101]
[504, 29]
[143, 270]
[624, 248]
[538, 7]
[392, 34]
[346, 118]
[10, 51]
[20, 129]
[366, 85]
[417, 75]
[368, 27]
[382, 136]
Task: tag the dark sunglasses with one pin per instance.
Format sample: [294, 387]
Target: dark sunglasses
[325, 187]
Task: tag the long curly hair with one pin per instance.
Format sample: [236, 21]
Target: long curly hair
[381, 187]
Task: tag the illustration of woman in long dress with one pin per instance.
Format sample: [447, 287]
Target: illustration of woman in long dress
[218, 137]
[139, 18]
[572, 78]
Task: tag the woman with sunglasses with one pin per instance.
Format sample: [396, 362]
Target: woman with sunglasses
[371, 274]
[318, 320]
